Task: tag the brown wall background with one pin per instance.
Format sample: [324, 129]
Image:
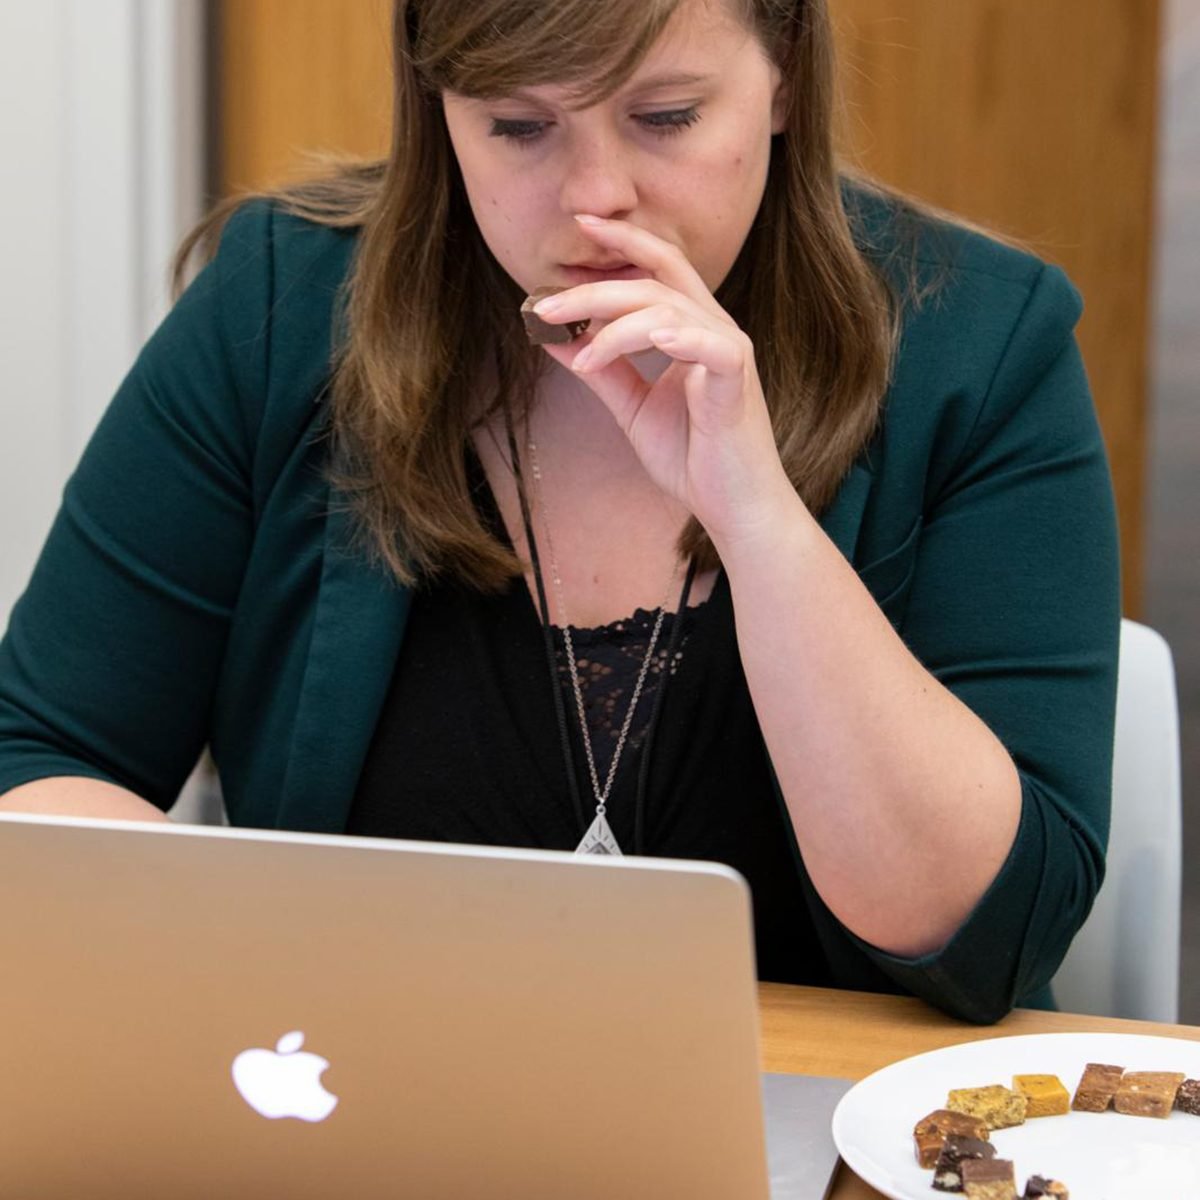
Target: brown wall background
[1036, 118]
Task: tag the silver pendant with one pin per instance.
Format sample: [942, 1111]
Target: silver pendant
[598, 839]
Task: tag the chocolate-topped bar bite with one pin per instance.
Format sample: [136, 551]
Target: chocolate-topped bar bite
[1097, 1087]
[1037, 1188]
[543, 333]
[929, 1133]
[1187, 1099]
[948, 1171]
[989, 1179]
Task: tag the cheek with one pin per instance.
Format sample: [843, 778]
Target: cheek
[717, 204]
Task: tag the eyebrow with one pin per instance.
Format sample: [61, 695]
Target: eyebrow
[666, 79]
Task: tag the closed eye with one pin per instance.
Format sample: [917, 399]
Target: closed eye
[660, 124]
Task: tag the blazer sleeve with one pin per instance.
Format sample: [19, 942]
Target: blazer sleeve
[1014, 605]
[109, 664]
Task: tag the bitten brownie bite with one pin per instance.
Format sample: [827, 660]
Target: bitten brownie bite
[1147, 1093]
[998, 1106]
[947, 1173]
[1097, 1087]
[542, 333]
[1037, 1187]
[1044, 1094]
[989, 1179]
[1187, 1099]
[929, 1133]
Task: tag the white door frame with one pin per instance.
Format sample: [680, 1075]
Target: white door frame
[102, 111]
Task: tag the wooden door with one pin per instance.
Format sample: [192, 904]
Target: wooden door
[1035, 118]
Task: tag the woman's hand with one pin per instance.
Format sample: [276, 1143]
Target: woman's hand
[701, 430]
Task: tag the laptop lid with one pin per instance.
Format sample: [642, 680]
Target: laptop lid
[497, 1023]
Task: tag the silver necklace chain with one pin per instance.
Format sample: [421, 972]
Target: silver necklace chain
[601, 794]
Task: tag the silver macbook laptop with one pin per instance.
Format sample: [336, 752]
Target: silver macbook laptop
[199, 1012]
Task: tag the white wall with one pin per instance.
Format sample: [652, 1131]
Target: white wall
[101, 106]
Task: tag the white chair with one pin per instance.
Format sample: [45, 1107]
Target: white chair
[1124, 962]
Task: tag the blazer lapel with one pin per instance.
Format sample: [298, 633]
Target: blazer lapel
[357, 630]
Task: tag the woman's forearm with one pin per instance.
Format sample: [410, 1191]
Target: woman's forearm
[75, 796]
[905, 805]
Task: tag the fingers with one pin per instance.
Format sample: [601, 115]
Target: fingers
[627, 335]
[723, 351]
[608, 300]
[663, 259]
[723, 356]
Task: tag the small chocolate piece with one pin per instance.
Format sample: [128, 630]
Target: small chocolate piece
[1045, 1095]
[947, 1173]
[929, 1133]
[1000, 1107]
[1097, 1087]
[1037, 1188]
[1187, 1099]
[1147, 1093]
[989, 1179]
[542, 332]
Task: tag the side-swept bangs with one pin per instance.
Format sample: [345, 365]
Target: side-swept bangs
[489, 48]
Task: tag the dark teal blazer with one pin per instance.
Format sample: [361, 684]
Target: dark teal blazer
[199, 585]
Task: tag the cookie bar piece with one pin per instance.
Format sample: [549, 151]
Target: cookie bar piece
[1097, 1087]
[1044, 1094]
[998, 1106]
[1037, 1188]
[1147, 1093]
[989, 1179]
[947, 1174]
[929, 1133]
[1187, 1099]
[543, 333]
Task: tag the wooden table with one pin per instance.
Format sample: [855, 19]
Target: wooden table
[817, 1031]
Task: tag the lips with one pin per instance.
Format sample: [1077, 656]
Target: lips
[576, 273]
[616, 265]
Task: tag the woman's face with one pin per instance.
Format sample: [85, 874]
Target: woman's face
[686, 158]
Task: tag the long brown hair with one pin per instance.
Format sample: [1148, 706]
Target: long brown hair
[429, 308]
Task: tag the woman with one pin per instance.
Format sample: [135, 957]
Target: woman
[800, 557]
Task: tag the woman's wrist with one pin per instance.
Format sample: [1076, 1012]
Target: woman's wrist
[779, 523]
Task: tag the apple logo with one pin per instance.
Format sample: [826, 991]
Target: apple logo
[284, 1082]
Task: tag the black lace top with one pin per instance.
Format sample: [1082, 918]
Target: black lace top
[467, 748]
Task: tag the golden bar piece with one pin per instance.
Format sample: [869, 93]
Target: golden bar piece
[1045, 1095]
[999, 1107]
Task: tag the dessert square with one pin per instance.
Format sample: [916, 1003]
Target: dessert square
[1187, 1099]
[1045, 1095]
[988, 1179]
[1147, 1093]
[542, 333]
[947, 1173]
[1097, 1087]
[929, 1133]
[1037, 1188]
[998, 1106]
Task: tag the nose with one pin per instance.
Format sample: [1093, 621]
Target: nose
[599, 177]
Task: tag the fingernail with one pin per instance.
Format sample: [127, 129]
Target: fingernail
[588, 219]
[549, 304]
[581, 360]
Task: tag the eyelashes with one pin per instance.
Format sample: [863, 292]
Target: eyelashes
[659, 124]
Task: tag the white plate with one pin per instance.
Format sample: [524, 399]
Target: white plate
[1099, 1156]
